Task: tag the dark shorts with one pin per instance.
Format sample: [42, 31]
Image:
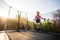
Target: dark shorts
[37, 20]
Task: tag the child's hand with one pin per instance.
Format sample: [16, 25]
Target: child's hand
[44, 19]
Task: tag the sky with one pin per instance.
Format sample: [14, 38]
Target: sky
[28, 6]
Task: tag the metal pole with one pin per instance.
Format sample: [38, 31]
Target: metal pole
[8, 18]
[19, 14]
[27, 23]
[26, 27]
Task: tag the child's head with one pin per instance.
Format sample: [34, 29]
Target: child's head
[38, 13]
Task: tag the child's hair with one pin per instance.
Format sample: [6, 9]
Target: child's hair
[38, 13]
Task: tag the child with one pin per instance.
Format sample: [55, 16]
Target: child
[38, 17]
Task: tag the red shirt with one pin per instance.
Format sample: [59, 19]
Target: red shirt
[37, 17]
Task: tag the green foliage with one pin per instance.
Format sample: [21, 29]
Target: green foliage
[1, 24]
[13, 24]
[46, 26]
[1, 27]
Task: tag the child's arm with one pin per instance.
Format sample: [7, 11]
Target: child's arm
[43, 18]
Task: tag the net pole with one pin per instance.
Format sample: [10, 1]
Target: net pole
[8, 18]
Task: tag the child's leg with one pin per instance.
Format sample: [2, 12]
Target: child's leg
[38, 24]
[38, 27]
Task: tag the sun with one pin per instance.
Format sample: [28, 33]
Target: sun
[22, 6]
[3, 14]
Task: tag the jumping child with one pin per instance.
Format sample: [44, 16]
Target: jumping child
[38, 19]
